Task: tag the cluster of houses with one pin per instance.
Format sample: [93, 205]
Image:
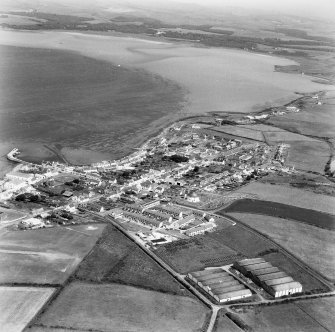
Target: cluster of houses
[183, 164]
[168, 217]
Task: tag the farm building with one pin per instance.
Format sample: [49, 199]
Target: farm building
[275, 282]
[221, 285]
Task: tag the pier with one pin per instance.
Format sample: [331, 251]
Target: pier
[12, 157]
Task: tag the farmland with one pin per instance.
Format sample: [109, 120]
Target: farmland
[291, 196]
[44, 256]
[224, 324]
[122, 308]
[305, 316]
[319, 310]
[308, 156]
[275, 137]
[242, 132]
[315, 120]
[273, 209]
[18, 305]
[116, 258]
[217, 248]
[314, 246]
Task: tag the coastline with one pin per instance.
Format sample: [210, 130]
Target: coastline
[156, 59]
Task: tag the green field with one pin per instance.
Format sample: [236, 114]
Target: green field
[115, 307]
[116, 258]
[314, 120]
[308, 156]
[248, 133]
[224, 324]
[19, 305]
[315, 315]
[45, 256]
[274, 209]
[314, 246]
[322, 310]
[9, 215]
[291, 196]
[213, 249]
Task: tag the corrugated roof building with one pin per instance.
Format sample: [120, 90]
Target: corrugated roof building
[275, 282]
[221, 285]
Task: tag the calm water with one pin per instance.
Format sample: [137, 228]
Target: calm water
[83, 108]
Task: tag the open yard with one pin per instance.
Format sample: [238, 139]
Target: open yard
[45, 256]
[123, 308]
[273, 209]
[116, 258]
[314, 246]
[291, 196]
[19, 305]
[315, 315]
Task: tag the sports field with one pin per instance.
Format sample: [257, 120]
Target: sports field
[45, 256]
[18, 305]
[115, 307]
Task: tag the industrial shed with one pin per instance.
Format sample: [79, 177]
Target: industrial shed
[221, 285]
[275, 282]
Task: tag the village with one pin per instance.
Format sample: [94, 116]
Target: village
[163, 192]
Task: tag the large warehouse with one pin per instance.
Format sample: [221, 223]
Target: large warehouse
[269, 277]
[221, 285]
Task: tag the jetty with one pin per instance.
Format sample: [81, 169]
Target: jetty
[12, 156]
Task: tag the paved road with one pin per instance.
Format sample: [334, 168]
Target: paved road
[215, 308]
[178, 276]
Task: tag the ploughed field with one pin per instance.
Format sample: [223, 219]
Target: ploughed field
[45, 256]
[116, 258]
[274, 209]
[112, 307]
[90, 109]
[313, 245]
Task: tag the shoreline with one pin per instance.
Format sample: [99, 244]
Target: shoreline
[171, 120]
[186, 111]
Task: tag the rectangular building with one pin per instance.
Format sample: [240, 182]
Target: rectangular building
[219, 284]
[270, 278]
